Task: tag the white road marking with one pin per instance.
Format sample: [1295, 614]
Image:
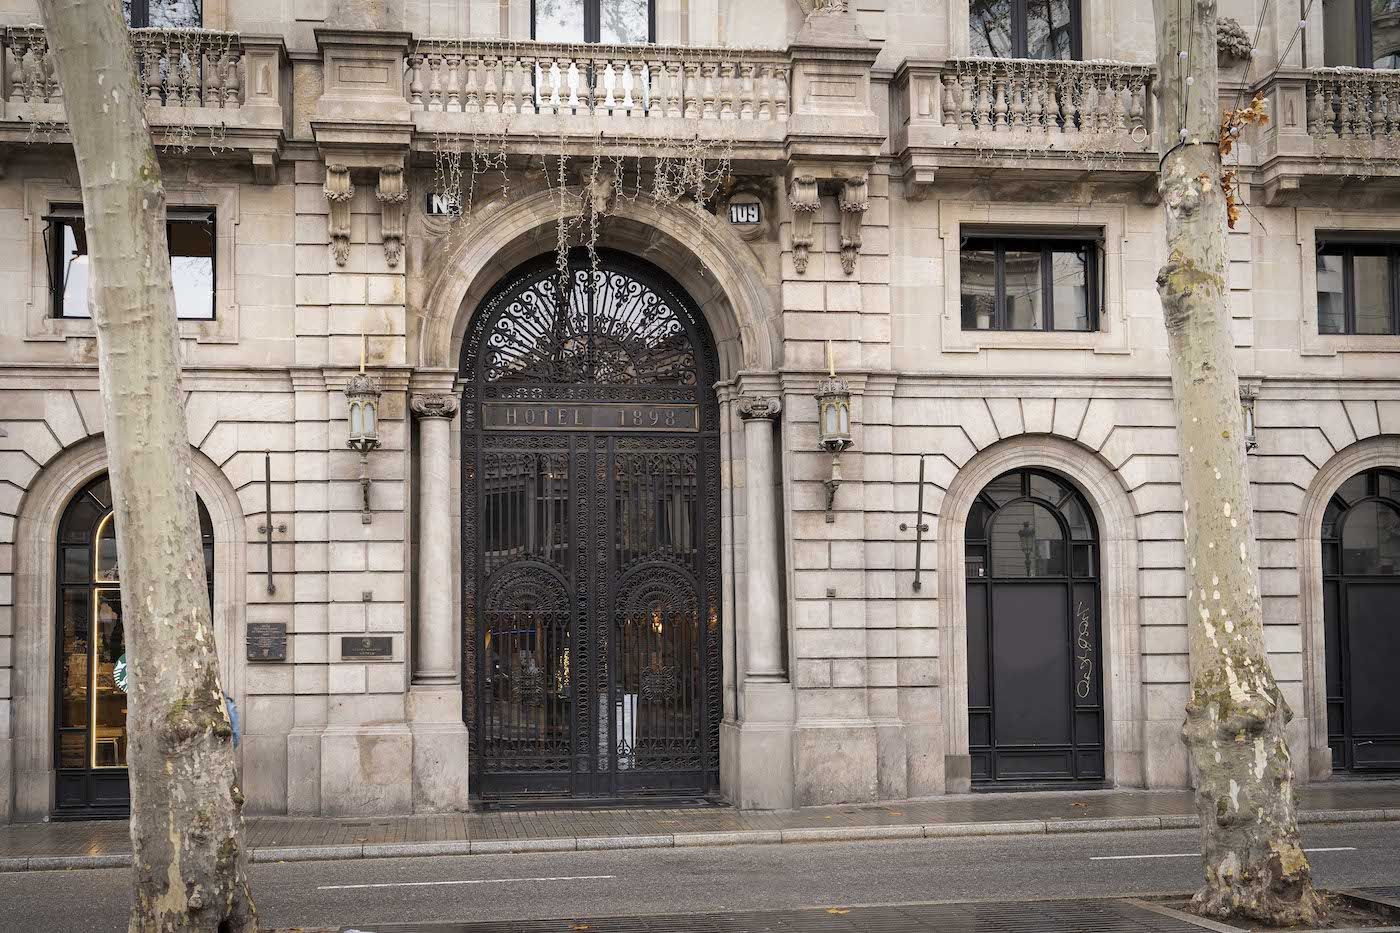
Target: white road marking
[427, 884]
[1116, 858]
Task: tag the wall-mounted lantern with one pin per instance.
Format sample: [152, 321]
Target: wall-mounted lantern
[1247, 398]
[362, 392]
[833, 425]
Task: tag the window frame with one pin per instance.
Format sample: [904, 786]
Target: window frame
[141, 14]
[61, 216]
[593, 22]
[1348, 248]
[1365, 52]
[1020, 45]
[1047, 243]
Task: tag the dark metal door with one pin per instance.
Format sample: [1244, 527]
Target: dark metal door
[1361, 616]
[1035, 694]
[590, 537]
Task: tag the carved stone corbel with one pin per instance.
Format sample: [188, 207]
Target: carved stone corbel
[339, 190]
[393, 195]
[853, 201]
[805, 202]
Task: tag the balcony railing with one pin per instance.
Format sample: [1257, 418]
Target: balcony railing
[643, 82]
[175, 67]
[1355, 104]
[200, 86]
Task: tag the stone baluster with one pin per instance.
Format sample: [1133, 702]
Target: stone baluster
[656, 95]
[728, 86]
[510, 100]
[636, 98]
[1017, 111]
[764, 619]
[490, 92]
[435, 82]
[780, 101]
[415, 80]
[549, 74]
[18, 48]
[213, 65]
[948, 99]
[1036, 108]
[691, 90]
[151, 77]
[526, 69]
[673, 88]
[1137, 110]
[747, 100]
[233, 79]
[453, 101]
[471, 88]
[710, 106]
[1000, 107]
[1120, 121]
[1348, 111]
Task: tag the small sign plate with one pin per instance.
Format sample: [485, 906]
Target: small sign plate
[267, 641]
[367, 647]
[743, 213]
[589, 416]
[442, 204]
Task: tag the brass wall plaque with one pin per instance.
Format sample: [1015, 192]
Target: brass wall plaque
[367, 647]
[267, 641]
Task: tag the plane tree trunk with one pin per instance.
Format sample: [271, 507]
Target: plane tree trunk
[190, 866]
[1236, 717]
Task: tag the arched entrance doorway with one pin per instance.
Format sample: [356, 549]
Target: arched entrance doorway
[1035, 692]
[590, 536]
[1361, 618]
[90, 713]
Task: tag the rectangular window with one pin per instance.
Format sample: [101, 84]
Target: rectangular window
[1361, 33]
[191, 237]
[164, 14]
[1043, 29]
[1032, 284]
[614, 22]
[1357, 287]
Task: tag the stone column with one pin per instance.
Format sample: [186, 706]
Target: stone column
[756, 749]
[435, 699]
[436, 633]
[764, 641]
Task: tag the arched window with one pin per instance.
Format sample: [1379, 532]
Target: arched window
[1045, 29]
[90, 722]
[1035, 690]
[1361, 618]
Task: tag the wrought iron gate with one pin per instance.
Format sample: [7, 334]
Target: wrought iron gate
[590, 536]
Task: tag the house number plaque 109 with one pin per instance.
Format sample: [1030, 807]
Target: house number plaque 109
[589, 416]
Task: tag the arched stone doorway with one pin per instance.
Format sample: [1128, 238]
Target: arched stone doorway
[1361, 618]
[591, 535]
[90, 723]
[1035, 691]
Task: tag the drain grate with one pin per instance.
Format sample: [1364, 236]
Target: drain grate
[1032, 917]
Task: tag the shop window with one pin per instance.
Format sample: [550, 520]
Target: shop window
[164, 14]
[1357, 288]
[1045, 29]
[1361, 33]
[191, 237]
[1031, 284]
[613, 22]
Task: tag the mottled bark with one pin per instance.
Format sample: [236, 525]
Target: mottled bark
[1236, 717]
[190, 867]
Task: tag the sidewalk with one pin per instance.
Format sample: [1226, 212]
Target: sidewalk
[46, 846]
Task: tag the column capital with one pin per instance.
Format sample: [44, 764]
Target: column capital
[753, 407]
[434, 406]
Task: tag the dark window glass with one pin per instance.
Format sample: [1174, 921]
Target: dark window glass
[1371, 539]
[1357, 288]
[191, 239]
[1011, 283]
[164, 14]
[615, 22]
[1026, 541]
[1024, 28]
[1384, 33]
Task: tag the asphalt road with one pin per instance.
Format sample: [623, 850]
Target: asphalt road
[678, 881]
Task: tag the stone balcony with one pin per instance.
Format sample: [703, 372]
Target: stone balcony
[217, 90]
[1330, 127]
[968, 117]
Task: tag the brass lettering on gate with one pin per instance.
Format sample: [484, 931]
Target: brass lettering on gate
[589, 416]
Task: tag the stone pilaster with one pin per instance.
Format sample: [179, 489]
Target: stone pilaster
[435, 699]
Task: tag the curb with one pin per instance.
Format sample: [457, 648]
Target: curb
[370, 850]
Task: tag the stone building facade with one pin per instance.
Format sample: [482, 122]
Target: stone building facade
[953, 215]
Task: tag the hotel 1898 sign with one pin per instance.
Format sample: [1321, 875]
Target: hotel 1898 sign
[590, 536]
